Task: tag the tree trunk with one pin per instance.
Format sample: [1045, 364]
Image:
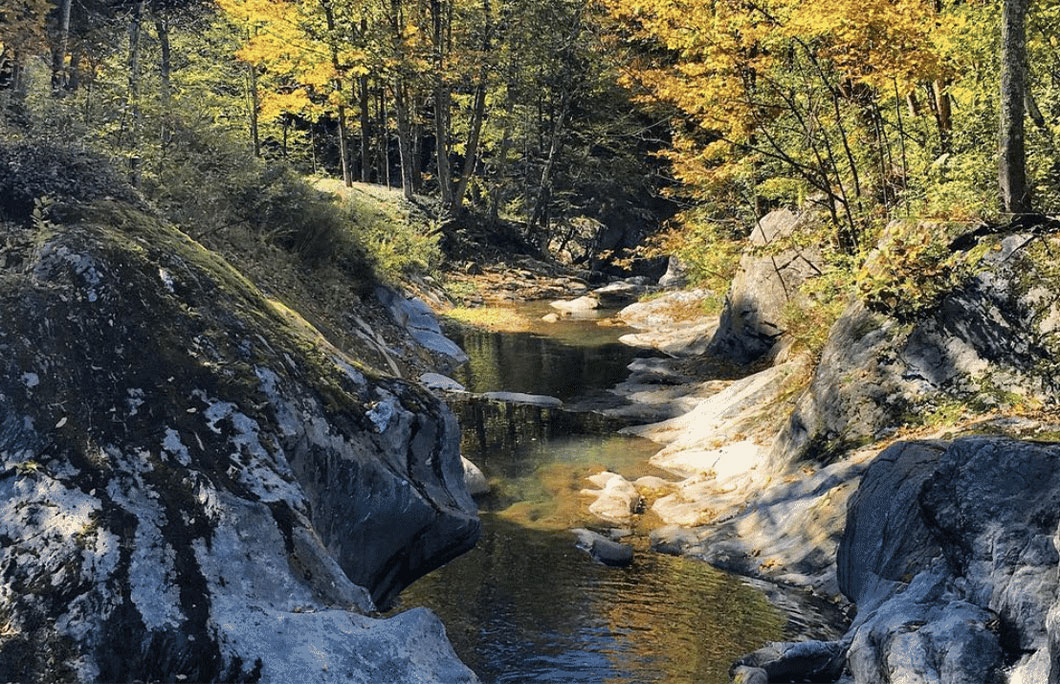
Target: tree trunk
[366, 121]
[471, 157]
[73, 77]
[441, 107]
[401, 105]
[165, 69]
[384, 141]
[252, 86]
[60, 49]
[943, 114]
[366, 130]
[1012, 176]
[344, 158]
[401, 112]
[544, 193]
[135, 113]
[478, 113]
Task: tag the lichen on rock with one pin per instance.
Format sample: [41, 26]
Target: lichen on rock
[192, 485]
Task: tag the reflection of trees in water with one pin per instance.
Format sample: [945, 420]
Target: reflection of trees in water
[664, 619]
[525, 603]
[523, 362]
[686, 618]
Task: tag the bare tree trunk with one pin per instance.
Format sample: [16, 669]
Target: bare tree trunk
[441, 106]
[544, 192]
[366, 130]
[478, 113]
[1012, 174]
[401, 105]
[344, 158]
[471, 156]
[59, 53]
[405, 151]
[495, 191]
[73, 78]
[366, 121]
[384, 141]
[943, 114]
[342, 154]
[133, 98]
[165, 70]
[252, 87]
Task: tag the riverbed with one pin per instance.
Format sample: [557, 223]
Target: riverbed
[526, 605]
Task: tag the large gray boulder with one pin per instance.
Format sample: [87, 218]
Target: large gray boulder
[192, 487]
[752, 320]
[419, 321]
[950, 556]
[992, 342]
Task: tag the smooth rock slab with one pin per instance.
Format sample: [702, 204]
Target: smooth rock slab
[443, 383]
[521, 398]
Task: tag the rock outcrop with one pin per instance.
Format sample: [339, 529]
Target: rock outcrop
[194, 486]
[413, 314]
[950, 554]
[751, 322]
[990, 343]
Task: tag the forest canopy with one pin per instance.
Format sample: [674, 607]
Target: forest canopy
[530, 120]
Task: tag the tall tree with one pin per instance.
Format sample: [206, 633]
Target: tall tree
[1015, 193]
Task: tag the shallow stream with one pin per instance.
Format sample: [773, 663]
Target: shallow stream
[526, 605]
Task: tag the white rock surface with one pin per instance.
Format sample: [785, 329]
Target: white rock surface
[521, 398]
[616, 500]
[474, 478]
[443, 383]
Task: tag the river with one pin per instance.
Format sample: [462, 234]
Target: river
[526, 605]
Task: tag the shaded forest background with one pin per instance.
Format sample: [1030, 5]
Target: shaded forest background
[666, 126]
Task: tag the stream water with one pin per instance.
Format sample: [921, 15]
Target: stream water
[526, 605]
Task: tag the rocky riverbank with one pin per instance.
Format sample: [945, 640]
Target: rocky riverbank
[779, 471]
[197, 484]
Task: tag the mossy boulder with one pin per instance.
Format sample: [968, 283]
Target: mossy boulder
[193, 486]
[991, 344]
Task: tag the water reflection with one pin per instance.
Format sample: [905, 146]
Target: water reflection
[566, 359]
[525, 605]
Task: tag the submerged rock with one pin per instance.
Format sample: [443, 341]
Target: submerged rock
[604, 550]
[195, 487]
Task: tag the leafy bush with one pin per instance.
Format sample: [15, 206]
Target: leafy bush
[808, 318]
[913, 268]
[398, 239]
[31, 171]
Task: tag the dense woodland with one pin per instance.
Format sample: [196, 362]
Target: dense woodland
[525, 120]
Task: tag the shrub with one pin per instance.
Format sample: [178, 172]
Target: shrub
[912, 268]
[32, 171]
